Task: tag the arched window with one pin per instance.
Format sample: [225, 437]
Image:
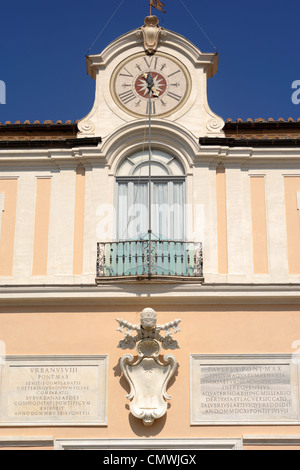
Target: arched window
[167, 194]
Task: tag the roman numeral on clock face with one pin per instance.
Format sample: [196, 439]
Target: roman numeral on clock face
[152, 63]
[153, 107]
[126, 73]
[174, 96]
[127, 96]
[174, 73]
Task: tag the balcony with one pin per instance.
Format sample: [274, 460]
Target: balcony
[160, 260]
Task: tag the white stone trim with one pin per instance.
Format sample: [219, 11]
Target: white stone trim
[210, 243]
[61, 224]
[247, 225]
[27, 441]
[135, 292]
[234, 210]
[271, 440]
[149, 444]
[280, 158]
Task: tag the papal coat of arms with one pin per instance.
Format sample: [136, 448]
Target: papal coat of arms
[147, 376]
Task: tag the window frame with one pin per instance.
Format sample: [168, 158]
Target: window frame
[131, 180]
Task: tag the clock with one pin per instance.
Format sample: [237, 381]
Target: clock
[171, 81]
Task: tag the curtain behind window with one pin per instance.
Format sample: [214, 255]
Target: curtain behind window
[167, 211]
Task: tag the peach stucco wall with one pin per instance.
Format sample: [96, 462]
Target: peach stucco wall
[271, 447]
[292, 186]
[7, 236]
[259, 225]
[41, 230]
[206, 329]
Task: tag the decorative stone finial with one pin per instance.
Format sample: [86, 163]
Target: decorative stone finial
[151, 32]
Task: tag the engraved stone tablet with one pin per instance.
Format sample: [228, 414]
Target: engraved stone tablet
[53, 390]
[256, 389]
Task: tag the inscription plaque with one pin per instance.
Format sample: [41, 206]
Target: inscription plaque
[244, 389]
[56, 390]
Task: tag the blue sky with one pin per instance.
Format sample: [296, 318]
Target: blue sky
[43, 47]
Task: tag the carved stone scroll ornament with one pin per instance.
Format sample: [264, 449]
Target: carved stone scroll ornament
[147, 376]
[151, 33]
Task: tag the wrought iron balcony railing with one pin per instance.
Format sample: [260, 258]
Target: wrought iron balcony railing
[166, 259]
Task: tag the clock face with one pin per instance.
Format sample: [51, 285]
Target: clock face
[171, 82]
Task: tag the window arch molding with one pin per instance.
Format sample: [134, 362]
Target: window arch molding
[167, 136]
[166, 161]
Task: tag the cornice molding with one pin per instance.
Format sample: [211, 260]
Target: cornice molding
[251, 142]
[125, 294]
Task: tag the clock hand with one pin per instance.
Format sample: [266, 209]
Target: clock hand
[150, 83]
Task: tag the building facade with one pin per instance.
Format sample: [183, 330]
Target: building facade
[222, 254]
